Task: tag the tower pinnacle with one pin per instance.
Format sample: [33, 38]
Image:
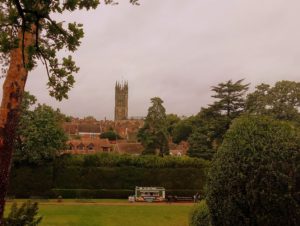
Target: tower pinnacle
[121, 100]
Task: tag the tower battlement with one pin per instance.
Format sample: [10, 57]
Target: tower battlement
[121, 101]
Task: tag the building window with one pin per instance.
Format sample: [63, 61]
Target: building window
[90, 146]
[80, 147]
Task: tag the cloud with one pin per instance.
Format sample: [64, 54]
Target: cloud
[177, 50]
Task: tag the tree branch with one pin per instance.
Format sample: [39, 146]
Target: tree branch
[64, 33]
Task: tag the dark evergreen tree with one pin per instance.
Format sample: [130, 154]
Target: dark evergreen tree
[200, 145]
[154, 134]
[231, 97]
[214, 121]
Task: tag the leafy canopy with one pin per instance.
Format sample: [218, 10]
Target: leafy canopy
[51, 37]
[40, 136]
[282, 101]
[182, 130]
[253, 177]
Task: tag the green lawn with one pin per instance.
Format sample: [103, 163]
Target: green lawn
[113, 215]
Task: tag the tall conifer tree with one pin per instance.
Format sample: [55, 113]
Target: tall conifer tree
[154, 134]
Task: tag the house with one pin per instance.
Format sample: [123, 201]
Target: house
[88, 145]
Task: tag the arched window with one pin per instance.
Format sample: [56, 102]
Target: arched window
[71, 146]
[80, 146]
[91, 146]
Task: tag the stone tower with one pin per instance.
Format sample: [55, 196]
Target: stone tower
[121, 101]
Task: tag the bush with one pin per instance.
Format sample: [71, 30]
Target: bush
[26, 215]
[111, 160]
[92, 193]
[108, 171]
[252, 181]
[200, 215]
[110, 193]
[26, 181]
[128, 177]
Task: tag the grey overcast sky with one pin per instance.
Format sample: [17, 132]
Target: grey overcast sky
[177, 50]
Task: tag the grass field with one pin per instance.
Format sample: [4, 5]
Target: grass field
[112, 213]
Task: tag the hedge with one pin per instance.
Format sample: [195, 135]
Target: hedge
[129, 177]
[109, 193]
[117, 160]
[92, 193]
[26, 181]
[93, 176]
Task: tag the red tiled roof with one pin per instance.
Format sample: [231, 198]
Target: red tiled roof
[129, 148]
[97, 144]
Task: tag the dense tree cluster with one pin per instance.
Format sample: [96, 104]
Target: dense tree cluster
[281, 102]
[214, 121]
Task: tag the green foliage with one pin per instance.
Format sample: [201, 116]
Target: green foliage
[214, 121]
[231, 101]
[116, 160]
[154, 134]
[172, 120]
[92, 193]
[26, 215]
[111, 135]
[200, 145]
[200, 215]
[105, 171]
[27, 181]
[127, 177]
[208, 133]
[182, 130]
[28, 101]
[111, 193]
[253, 178]
[40, 136]
[37, 17]
[281, 101]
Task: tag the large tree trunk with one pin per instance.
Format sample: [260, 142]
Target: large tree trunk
[13, 89]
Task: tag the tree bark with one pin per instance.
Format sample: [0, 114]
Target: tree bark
[13, 90]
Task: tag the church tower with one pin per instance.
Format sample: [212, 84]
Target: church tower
[121, 101]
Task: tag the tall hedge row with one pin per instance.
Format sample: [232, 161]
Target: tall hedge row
[75, 176]
[27, 181]
[128, 177]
